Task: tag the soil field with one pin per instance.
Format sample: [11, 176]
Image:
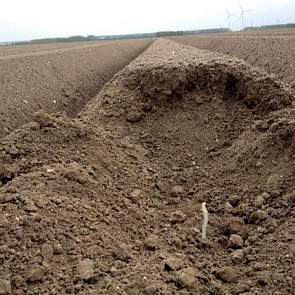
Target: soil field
[30, 48]
[57, 77]
[110, 202]
[273, 51]
[39, 49]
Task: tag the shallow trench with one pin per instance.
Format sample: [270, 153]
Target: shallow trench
[62, 80]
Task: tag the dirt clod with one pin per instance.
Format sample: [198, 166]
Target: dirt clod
[44, 119]
[122, 253]
[259, 201]
[177, 217]
[36, 273]
[228, 207]
[237, 255]
[172, 264]
[7, 172]
[3, 220]
[135, 195]
[234, 200]
[75, 172]
[273, 182]
[235, 241]
[57, 248]
[47, 252]
[151, 243]
[291, 197]
[134, 116]
[186, 278]
[257, 217]
[86, 269]
[227, 274]
[177, 191]
[30, 206]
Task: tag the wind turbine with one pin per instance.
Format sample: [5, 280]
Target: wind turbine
[242, 15]
[228, 18]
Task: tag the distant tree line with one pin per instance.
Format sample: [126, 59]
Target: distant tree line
[59, 40]
[116, 37]
[181, 33]
[79, 38]
[271, 27]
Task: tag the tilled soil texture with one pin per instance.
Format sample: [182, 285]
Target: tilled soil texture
[273, 51]
[110, 202]
[9, 50]
[57, 79]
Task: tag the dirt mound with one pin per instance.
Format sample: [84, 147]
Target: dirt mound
[58, 80]
[110, 202]
[211, 73]
[274, 52]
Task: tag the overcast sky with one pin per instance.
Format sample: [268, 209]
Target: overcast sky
[29, 19]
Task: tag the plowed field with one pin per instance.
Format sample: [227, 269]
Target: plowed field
[57, 77]
[109, 202]
[273, 51]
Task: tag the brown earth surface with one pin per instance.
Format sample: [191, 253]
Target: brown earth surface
[274, 51]
[61, 78]
[31, 48]
[110, 202]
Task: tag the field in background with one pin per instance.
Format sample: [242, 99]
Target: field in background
[10, 51]
[273, 50]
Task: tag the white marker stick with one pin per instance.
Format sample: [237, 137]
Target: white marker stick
[205, 223]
